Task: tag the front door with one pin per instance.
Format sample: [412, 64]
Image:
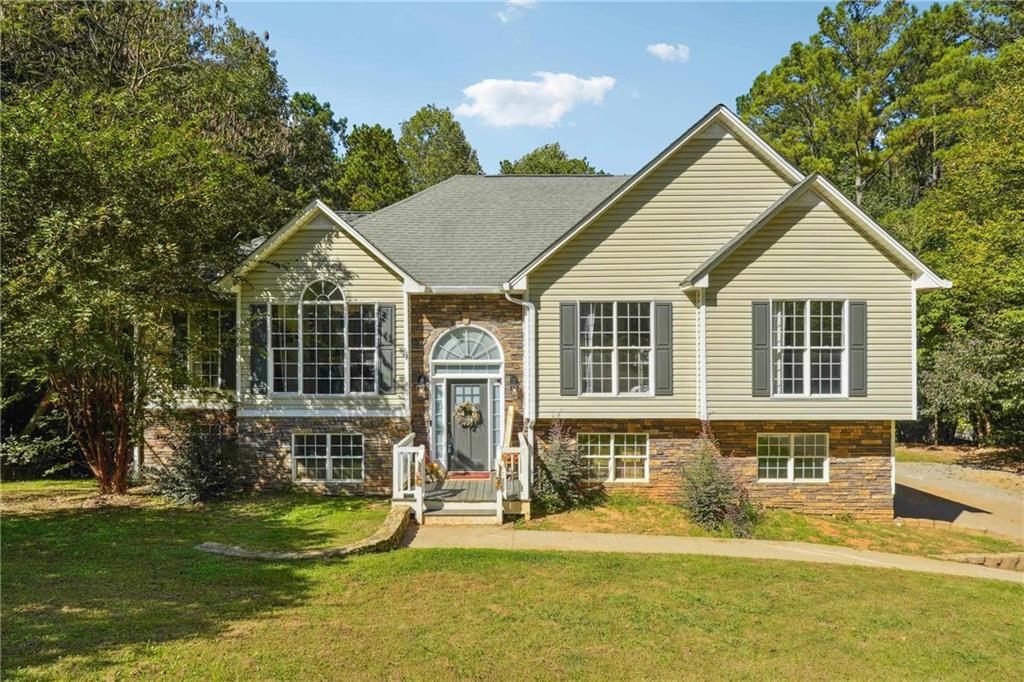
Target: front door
[468, 445]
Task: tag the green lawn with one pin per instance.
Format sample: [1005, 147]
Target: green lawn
[115, 592]
[625, 513]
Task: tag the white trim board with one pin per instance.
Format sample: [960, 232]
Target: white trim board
[720, 114]
[346, 412]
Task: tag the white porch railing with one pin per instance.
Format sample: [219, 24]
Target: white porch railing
[513, 466]
[408, 472]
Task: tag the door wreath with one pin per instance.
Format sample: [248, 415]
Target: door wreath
[467, 415]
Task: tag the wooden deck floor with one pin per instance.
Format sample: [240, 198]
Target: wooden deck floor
[467, 490]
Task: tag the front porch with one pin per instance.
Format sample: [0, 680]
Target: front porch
[433, 494]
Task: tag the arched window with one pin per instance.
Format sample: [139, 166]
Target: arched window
[323, 345]
[464, 344]
[323, 338]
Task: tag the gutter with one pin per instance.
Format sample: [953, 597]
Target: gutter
[529, 387]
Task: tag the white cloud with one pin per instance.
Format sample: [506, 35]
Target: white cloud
[670, 53]
[540, 103]
[513, 8]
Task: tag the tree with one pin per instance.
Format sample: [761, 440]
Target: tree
[825, 104]
[311, 168]
[141, 146]
[434, 148]
[374, 175]
[971, 228]
[549, 159]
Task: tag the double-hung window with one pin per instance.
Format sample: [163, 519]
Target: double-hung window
[204, 331]
[799, 457]
[809, 347]
[615, 347]
[611, 457]
[322, 345]
[327, 457]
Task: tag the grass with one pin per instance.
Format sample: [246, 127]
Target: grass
[624, 513]
[281, 521]
[1000, 459]
[117, 591]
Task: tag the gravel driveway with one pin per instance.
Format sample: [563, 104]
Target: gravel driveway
[968, 497]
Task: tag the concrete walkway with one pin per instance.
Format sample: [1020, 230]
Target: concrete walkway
[991, 501]
[508, 537]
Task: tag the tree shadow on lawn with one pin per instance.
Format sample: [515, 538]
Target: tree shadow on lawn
[85, 584]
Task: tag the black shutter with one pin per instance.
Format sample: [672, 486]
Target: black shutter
[858, 349]
[568, 356]
[760, 349]
[258, 348]
[179, 349]
[386, 370]
[228, 349]
[663, 348]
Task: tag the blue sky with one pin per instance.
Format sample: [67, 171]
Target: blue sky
[624, 79]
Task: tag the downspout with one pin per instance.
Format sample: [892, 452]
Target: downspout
[529, 388]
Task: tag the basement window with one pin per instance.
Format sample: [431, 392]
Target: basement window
[792, 457]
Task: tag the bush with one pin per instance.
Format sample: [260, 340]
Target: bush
[561, 477]
[203, 468]
[713, 499]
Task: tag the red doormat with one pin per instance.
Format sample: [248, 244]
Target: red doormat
[464, 475]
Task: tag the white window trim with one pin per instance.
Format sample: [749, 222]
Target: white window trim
[328, 479]
[189, 359]
[845, 357]
[348, 374]
[615, 393]
[611, 480]
[790, 478]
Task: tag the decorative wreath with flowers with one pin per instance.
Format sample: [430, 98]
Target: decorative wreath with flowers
[467, 415]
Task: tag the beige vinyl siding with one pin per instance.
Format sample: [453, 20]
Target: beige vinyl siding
[320, 250]
[641, 249]
[810, 251]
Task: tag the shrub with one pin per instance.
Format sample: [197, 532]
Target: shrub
[203, 468]
[713, 498]
[561, 477]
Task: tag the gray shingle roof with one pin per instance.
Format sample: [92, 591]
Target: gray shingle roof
[479, 230]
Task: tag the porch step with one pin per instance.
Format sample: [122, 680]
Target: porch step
[455, 517]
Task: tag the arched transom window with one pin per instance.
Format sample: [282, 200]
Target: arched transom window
[323, 345]
[467, 344]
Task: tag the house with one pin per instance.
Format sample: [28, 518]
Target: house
[717, 285]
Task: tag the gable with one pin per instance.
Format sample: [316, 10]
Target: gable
[697, 198]
[816, 189]
[319, 250]
[318, 216]
[718, 124]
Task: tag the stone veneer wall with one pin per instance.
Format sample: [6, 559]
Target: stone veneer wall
[432, 315]
[860, 467]
[266, 442]
[156, 438]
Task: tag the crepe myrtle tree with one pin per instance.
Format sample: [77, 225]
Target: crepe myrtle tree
[115, 217]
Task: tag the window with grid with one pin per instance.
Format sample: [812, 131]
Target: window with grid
[826, 346]
[204, 332]
[284, 343]
[323, 339]
[328, 457]
[613, 457]
[597, 346]
[346, 457]
[309, 455]
[633, 332]
[808, 347]
[615, 347]
[792, 457]
[362, 345]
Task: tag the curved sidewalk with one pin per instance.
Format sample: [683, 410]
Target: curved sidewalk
[508, 537]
